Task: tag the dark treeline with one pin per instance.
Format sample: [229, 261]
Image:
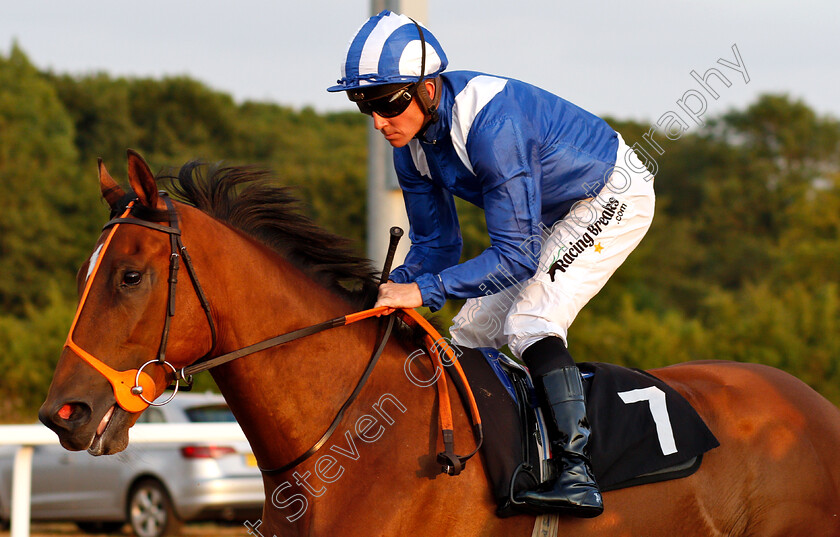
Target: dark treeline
[741, 262]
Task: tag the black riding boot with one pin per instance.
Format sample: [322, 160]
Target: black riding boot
[574, 491]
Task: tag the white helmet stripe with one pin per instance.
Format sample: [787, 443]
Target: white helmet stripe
[369, 59]
[353, 47]
[411, 55]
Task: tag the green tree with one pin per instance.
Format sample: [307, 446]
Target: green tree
[31, 345]
[42, 225]
[180, 119]
[100, 108]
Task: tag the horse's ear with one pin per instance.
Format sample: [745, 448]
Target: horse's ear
[142, 180]
[111, 191]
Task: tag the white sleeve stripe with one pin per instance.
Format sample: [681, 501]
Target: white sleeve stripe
[419, 158]
[468, 103]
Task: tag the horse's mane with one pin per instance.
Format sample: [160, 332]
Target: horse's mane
[249, 199]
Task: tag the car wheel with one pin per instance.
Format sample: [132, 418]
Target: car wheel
[150, 510]
[100, 527]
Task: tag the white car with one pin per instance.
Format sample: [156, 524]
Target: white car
[153, 487]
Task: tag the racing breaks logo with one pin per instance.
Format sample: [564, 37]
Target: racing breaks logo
[587, 240]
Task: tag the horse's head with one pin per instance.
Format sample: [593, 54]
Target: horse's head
[101, 384]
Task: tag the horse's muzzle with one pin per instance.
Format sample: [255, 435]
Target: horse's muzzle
[67, 420]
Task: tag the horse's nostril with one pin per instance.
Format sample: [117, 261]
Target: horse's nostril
[65, 411]
[71, 415]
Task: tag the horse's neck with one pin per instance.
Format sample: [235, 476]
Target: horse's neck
[286, 397]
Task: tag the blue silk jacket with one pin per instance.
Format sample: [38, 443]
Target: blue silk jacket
[522, 154]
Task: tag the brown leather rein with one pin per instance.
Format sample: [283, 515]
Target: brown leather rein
[131, 385]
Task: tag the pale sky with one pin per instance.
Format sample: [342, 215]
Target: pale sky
[630, 60]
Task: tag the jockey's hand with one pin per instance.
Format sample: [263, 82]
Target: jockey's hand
[398, 295]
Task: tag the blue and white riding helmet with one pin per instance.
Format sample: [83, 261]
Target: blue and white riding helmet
[387, 50]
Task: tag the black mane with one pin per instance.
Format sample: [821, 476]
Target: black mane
[249, 199]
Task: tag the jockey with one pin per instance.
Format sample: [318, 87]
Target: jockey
[565, 202]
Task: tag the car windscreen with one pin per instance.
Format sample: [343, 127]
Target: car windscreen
[209, 413]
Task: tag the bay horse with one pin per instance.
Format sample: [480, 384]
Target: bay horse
[265, 269]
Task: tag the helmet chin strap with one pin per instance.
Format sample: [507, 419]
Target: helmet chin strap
[429, 107]
[428, 104]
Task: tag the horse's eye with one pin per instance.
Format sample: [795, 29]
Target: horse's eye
[132, 278]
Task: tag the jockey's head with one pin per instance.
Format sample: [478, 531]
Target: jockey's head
[391, 63]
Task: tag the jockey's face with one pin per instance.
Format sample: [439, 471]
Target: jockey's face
[399, 130]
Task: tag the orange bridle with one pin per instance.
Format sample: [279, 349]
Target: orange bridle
[131, 386]
[124, 383]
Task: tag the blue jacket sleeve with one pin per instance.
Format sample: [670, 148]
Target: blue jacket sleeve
[434, 231]
[509, 168]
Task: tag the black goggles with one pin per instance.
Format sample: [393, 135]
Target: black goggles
[390, 105]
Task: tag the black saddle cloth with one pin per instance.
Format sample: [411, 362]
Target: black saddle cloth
[643, 430]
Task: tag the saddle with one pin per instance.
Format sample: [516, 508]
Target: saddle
[643, 431]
